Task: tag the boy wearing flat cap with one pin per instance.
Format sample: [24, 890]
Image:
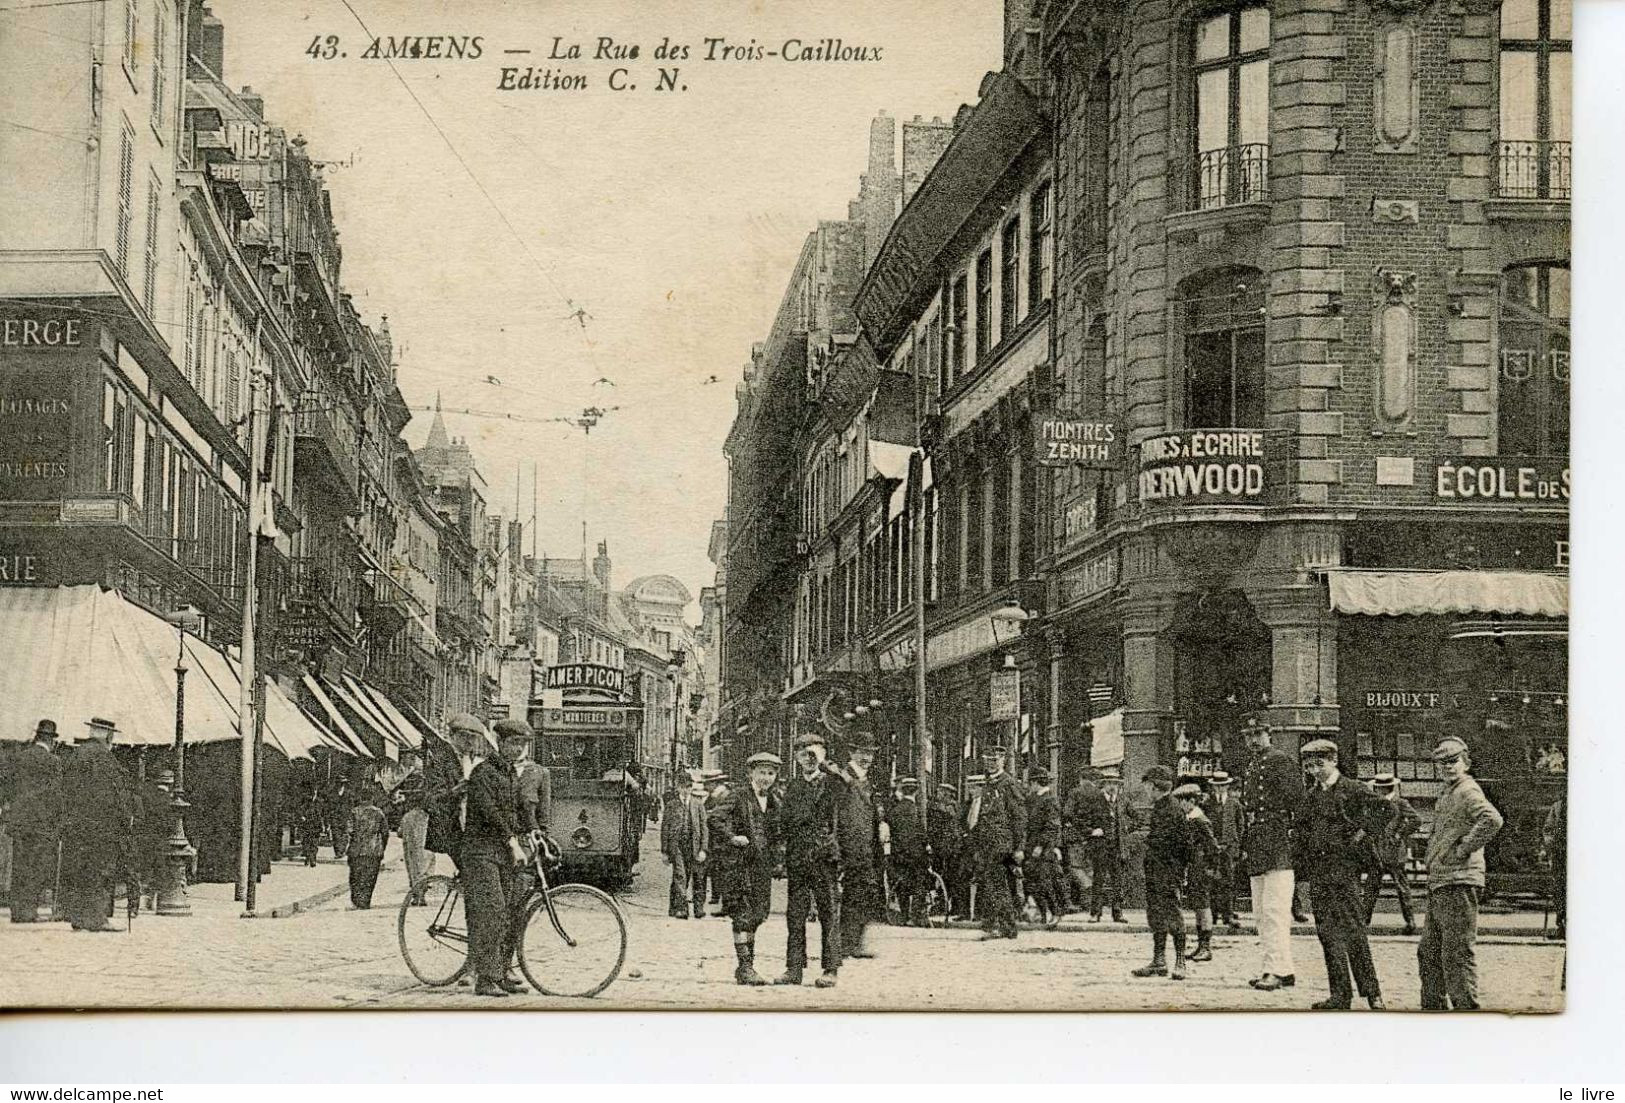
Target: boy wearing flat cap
[1203, 868]
[1043, 866]
[1334, 836]
[1464, 820]
[996, 830]
[1393, 848]
[752, 835]
[1167, 854]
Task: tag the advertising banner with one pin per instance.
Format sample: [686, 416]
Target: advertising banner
[1204, 466]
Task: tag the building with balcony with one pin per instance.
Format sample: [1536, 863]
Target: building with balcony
[1312, 268]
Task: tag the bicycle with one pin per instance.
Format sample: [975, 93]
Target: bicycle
[578, 952]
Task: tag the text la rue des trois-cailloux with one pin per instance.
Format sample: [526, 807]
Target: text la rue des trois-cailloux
[602, 61]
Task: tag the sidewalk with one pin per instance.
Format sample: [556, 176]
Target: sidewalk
[1518, 925]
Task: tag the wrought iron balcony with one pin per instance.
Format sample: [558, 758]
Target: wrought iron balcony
[317, 442]
[1230, 176]
[1533, 170]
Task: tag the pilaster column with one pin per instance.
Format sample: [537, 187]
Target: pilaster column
[1303, 681]
[1148, 678]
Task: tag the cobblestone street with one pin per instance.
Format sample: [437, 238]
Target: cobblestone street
[331, 956]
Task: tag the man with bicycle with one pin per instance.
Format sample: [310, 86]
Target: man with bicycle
[490, 852]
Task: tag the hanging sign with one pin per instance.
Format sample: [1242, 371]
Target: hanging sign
[1060, 441]
[1004, 692]
[609, 679]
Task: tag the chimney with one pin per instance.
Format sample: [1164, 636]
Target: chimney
[600, 565]
[253, 101]
[211, 43]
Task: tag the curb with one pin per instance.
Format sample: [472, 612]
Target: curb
[313, 901]
[1491, 935]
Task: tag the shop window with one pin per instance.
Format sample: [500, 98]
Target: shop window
[984, 305]
[1009, 276]
[1231, 70]
[1223, 322]
[1040, 246]
[1536, 91]
[1532, 416]
[1406, 755]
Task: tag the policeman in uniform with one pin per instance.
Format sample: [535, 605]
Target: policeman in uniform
[751, 833]
[1337, 826]
[97, 809]
[33, 805]
[996, 824]
[812, 863]
[1271, 795]
[1043, 866]
[1225, 814]
[1392, 850]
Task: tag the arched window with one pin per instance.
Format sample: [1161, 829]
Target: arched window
[1230, 63]
[1533, 414]
[1222, 317]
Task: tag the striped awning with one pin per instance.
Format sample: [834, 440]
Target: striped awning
[1426, 593]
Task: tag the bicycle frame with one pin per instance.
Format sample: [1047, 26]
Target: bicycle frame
[539, 865]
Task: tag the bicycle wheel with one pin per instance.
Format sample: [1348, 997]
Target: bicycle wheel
[937, 902]
[584, 953]
[434, 931]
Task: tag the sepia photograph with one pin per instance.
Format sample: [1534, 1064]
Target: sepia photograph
[979, 505]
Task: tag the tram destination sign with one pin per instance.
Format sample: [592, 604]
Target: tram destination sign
[1204, 466]
[606, 679]
[583, 719]
[1060, 441]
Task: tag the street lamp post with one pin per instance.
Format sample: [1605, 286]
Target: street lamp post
[173, 899]
[674, 669]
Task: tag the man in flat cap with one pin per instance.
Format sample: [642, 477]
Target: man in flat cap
[909, 859]
[1271, 794]
[491, 853]
[449, 764]
[1392, 851]
[1167, 855]
[1334, 836]
[97, 812]
[1463, 822]
[1224, 812]
[1074, 837]
[996, 825]
[812, 863]
[32, 807]
[752, 835]
[1043, 864]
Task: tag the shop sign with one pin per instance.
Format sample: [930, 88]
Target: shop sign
[35, 419]
[1087, 579]
[1079, 516]
[1411, 700]
[1004, 695]
[1076, 442]
[42, 333]
[609, 679]
[1203, 465]
[18, 569]
[582, 719]
[1476, 479]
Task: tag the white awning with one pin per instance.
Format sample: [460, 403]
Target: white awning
[1425, 593]
[1106, 746]
[336, 723]
[409, 731]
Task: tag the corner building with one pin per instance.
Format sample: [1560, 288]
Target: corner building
[1312, 262]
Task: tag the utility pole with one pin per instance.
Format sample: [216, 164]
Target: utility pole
[916, 513]
[247, 705]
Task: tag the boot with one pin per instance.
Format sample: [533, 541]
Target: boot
[826, 979]
[746, 973]
[1157, 968]
[790, 976]
[1204, 947]
[1117, 916]
[1178, 971]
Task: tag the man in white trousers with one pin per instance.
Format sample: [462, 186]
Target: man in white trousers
[1270, 796]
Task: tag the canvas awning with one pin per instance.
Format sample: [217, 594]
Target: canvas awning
[1425, 593]
[336, 724]
[1106, 734]
[348, 695]
[411, 737]
[69, 653]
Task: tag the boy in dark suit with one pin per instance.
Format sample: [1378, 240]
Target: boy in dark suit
[1167, 854]
[752, 834]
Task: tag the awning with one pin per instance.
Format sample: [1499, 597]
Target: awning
[336, 724]
[409, 731]
[364, 716]
[1106, 733]
[69, 653]
[1425, 593]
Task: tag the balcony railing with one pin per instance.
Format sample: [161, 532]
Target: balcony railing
[317, 439]
[1226, 177]
[1533, 170]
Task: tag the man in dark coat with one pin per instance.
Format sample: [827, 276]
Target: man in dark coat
[486, 864]
[1105, 823]
[996, 830]
[33, 803]
[1229, 824]
[910, 858]
[812, 863]
[1271, 795]
[1393, 848]
[1167, 855]
[752, 834]
[858, 823]
[721, 860]
[683, 839]
[1075, 836]
[97, 813]
[448, 765]
[1043, 865]
[1336, 829]
[945, 838]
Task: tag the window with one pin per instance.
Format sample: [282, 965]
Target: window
[958, 294]
[973, 569]
[1223, 319]
[1040, 247]
[149, 271]
[984, 305]
[1536, 90]
[1009, 276]
[1232, 82]
[126, 171]
[160, 54]
[129, 37]
[1533, 413]
[1003, 533]
[189, 350]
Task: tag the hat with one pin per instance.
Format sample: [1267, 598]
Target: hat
[1038, 774]
[1161, 774]
[908, 783]
[45, 729]
[1318, 748]
[811, 738]
[862, 741]
[1220, 778]
[1111, 776]
[1385, 781]
[997, 748]
[512, 729]
[946, 787]
[711, 777]
[764, 758]
[1446, 749]
[1188, 790]
[101, 729]
[465, 722]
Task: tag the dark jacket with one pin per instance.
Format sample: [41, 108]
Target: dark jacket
[857, 821]
[493, 804]
[944, 832]
[1043, 821]
[1204, 844]
[1395, 842]
[745, 817]
[1001, 819]
[443, 785]
[1270, 795]
[1229, 823]
[1168, 842]
[907, 833]
[807, 821]
[719, 809]
[1113, 818]
[369, 831]
[33, 791]
[98, 809]
[1336, 830]
[1076, 812]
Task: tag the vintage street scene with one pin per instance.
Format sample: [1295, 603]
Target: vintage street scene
[554, 507]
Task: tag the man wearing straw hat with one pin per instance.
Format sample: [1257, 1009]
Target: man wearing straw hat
[96, 823]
